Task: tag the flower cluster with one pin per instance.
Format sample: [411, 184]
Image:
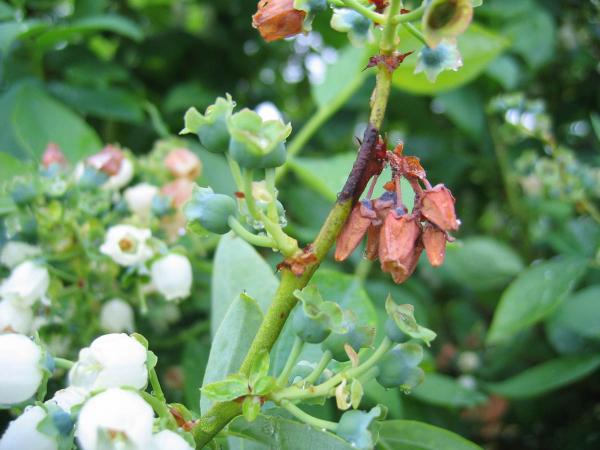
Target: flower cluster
[395, 236]
[104, 234]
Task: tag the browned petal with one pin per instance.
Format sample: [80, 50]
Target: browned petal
[277, 19]
[53, 155]
[434, 240]
[437, 206]
[398, 239]
[372, 249]
[402, 272]
[354, 229]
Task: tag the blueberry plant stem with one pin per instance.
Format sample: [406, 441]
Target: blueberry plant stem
[63, 363]
[316, 373]
[254, 239]
[289, 364]
[307, 418]
[222, 413]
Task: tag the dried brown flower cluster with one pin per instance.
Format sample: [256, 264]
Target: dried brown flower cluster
[394, 236]
[277, 19]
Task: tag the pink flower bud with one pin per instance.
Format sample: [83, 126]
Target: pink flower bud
[53, 155]
[434, 240]
[182, 163]
[437, 206]
[399, 245]
[108, 160]
[179, 190]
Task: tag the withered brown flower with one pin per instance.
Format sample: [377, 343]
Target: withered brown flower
[434, 241]
[437, 206]
[354, 230]
[399, 245]
[277, 19]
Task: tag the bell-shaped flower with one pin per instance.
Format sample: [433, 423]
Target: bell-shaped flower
[15, 318]
[170, 440]
[172, 276]
[355, 24]
[139, 199]
[278, 19]
[22, 372]
[179, 191]
[112, 360]
[115, 419]
[122, 177]
[434, 241]
[15, 252]
[446, 19]
[434, 61]
[69, 397]
[354, 229]
[27, 283]
[183, 163]
[437, 206]
[127, 245]
[117, 316]
[399, 245]
[23, 433]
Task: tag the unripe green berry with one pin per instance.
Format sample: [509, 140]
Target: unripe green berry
[210, 210]
[394, 333]
[214, 137]
[245, 158]
[356, 337]
[399, 367]
[307, 329]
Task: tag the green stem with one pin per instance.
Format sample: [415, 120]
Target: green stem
[286, 244]
[272, 208]
[141, 298]
[316, 373]
[156, 387]
[590, 209]
[248, 179]
[415, 14]
[160, 407]
[282, 379]
[63, 363]
[369, 375]
[236, 172]
[415, 32]
[307, 418]
[318, 119]
[254, 239]
[283, 302]
[362, 269]
[62, 274]
[365, 11]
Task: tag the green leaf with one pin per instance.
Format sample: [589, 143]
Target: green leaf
[30, 119]
[251, 408]
[231, 341]
[595, 119]
[546, 377]
[264, 385]
[464, 107]
[91, 24]
[11, 167]
[194, 360]
[534, 295]
[579, 313]
[110, 103]
[230, 388]
[533, 36]
[478, 47]
[339, 75]
[482, 263]
[260, 367]
[284, 434]
[327, 176]
[404, 318]
[445, 391]
[411, 435]
[231, 276]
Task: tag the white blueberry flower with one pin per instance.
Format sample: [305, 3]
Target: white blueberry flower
[15, 252]
[21, 368]
[170, 440]
[22, 433]
[434, 61]
[122, 177]
[127, 245]
[172, 276]
[112, 360]
[27, 283]
[117, 316]
[115, 419]
[139, 199]
[66, 399]
[15, 318]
